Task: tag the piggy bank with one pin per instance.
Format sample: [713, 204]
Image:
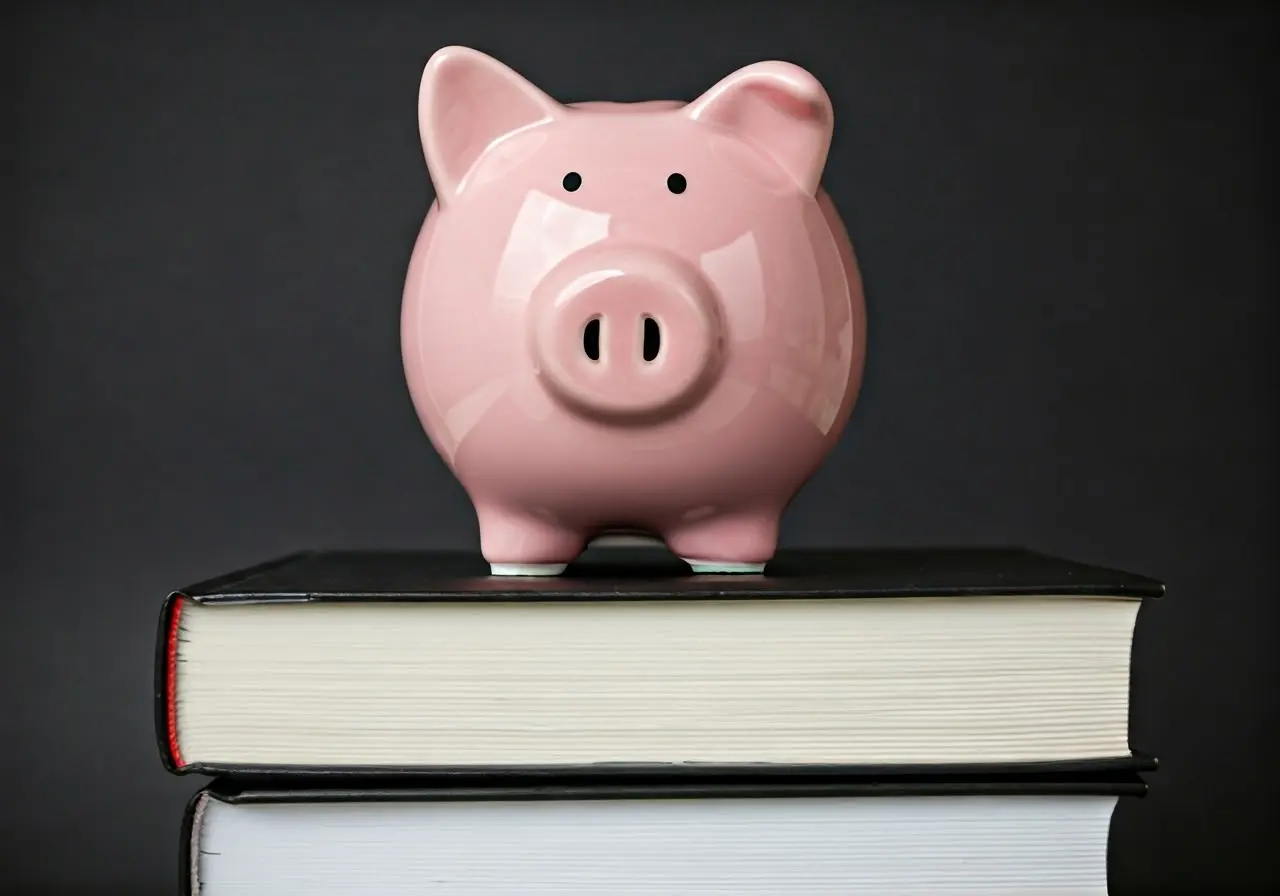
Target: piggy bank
[629, 316]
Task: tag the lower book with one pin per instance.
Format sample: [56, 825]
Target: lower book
[921, 834]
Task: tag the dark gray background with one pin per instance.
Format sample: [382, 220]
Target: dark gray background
[1067, 226]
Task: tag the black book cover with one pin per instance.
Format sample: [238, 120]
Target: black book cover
[320, 790]
[636, 574]
[647, 574]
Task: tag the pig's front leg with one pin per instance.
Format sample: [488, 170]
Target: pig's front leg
[519, 544]
[736, 543]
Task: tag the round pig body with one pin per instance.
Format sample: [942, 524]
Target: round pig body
[641, 316]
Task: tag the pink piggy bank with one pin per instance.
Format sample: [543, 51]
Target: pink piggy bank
[641, 316]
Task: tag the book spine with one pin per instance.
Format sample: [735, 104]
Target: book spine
[188, 848]
[166, 678]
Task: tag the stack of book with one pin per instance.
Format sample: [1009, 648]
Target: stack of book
[880, 721]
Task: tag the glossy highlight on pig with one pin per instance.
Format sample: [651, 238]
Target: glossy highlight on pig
[643, 316]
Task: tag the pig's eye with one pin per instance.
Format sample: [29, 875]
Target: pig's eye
[676, 183]
[572, 181]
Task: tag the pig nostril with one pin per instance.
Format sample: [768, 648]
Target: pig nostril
[591, 339]
[652, 339]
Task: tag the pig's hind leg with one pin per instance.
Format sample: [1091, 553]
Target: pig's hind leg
[519, 544]
[736, 543]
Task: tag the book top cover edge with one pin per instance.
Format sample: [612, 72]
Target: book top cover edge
[648, 574]
[233, 792]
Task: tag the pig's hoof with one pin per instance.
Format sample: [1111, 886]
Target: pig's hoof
[526, 569]
[703, 567]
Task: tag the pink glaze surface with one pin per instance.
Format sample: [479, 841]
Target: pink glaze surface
[525, 306]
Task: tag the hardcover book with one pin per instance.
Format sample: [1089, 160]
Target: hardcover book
[888, 661]
[875, 838]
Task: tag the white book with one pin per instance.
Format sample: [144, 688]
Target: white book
[912, 837]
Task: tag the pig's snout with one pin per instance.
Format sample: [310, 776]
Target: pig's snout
[623, 333]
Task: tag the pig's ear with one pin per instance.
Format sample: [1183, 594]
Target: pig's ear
[780, 108]
[467, 102]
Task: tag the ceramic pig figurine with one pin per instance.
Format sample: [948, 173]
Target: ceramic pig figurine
[642, 316]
